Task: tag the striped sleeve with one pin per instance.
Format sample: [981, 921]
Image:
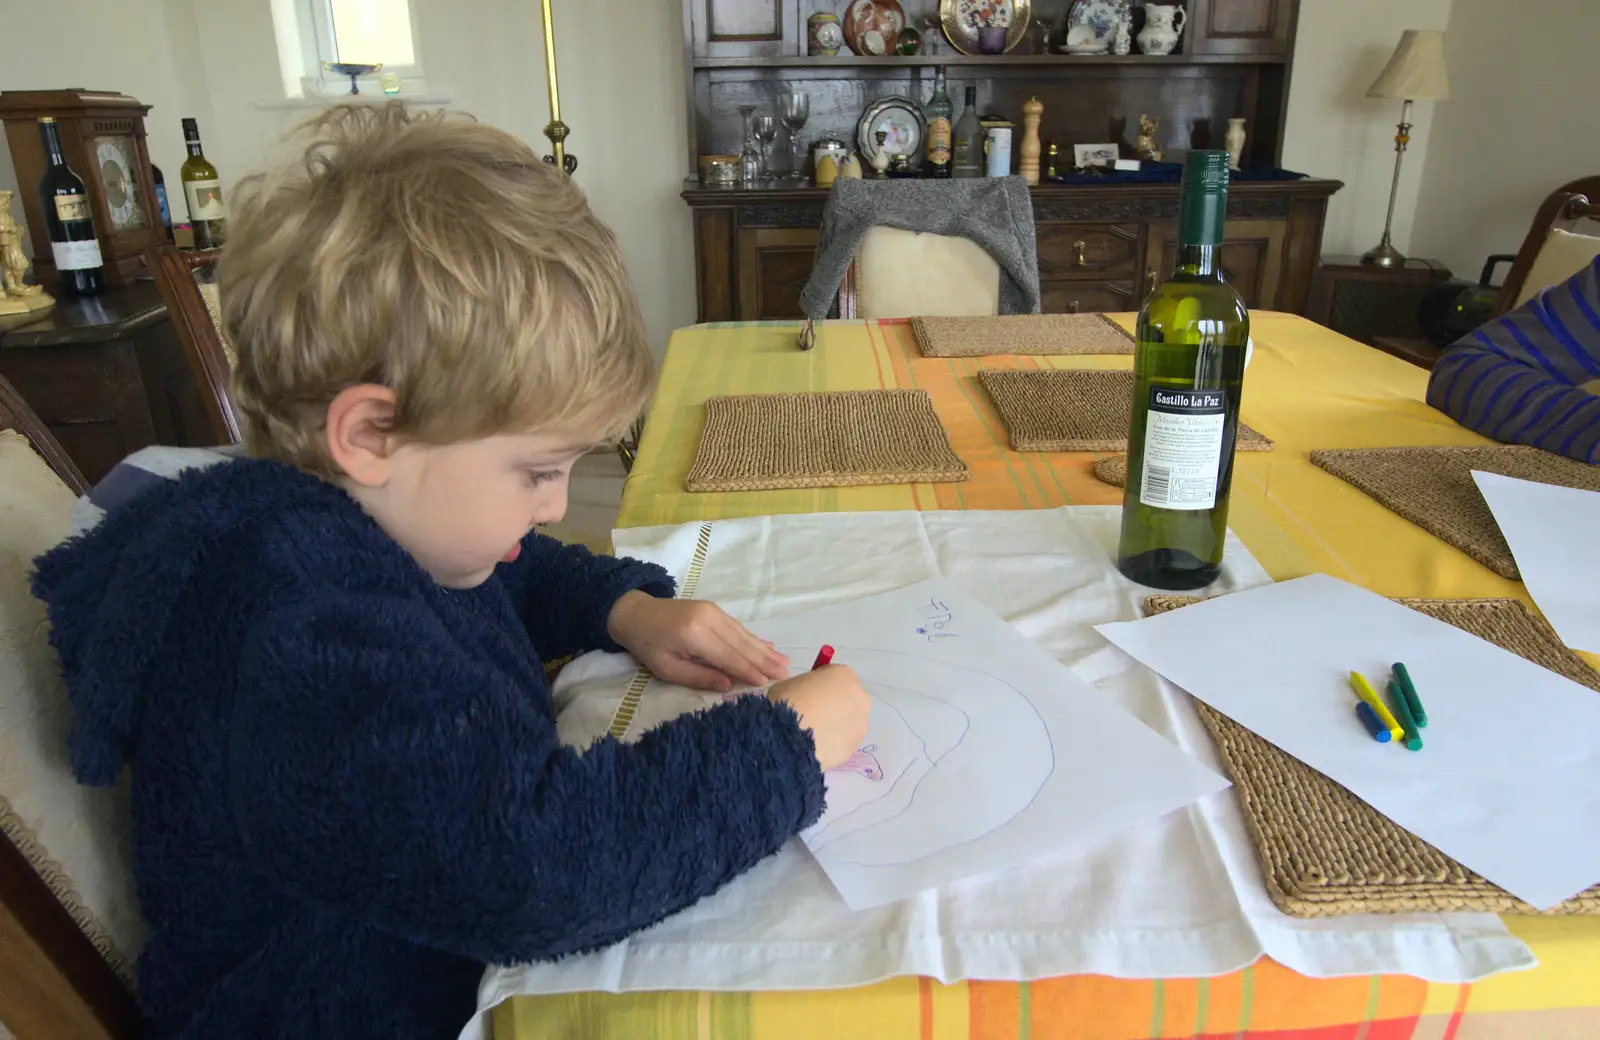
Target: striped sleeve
[1520, 377]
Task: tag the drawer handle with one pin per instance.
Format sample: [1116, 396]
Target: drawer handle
[1072, 308]
[1149, 280]
[1078, 248]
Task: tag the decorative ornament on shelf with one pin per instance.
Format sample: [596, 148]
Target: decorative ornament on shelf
[1028, 163]
[872, 27]
[1122, 35]
[1163, 26]
[1092, 26]
[353, 69]
[880, 157]
[1147, 147]
[851, 167]
[1416, 72]
[909, 44]
[16, 296]
[985, 26]
[1234, 140]
[823, 35]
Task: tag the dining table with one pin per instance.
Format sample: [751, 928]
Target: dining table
[1307, 387]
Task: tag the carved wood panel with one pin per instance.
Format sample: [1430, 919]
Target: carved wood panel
[1251, 258]
[1240, 26]
[773, 267]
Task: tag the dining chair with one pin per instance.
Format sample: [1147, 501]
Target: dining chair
[69, 923]
[187, 281]
[1552, 252]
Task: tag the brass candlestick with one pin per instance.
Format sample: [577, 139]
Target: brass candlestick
[556, 130]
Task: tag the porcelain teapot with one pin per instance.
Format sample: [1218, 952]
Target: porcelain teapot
[1163, 25]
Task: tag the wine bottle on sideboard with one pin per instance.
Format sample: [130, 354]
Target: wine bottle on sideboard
[937, 163]
[1188, 369]
[161, 201]
[967, 153]
[202, 190]
[65, 202]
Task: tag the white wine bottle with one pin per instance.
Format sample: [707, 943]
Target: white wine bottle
[202, 190]
[1188, 370]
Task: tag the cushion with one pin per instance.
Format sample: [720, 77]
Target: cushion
[900, 274]
[1563, 255]
[77, 838]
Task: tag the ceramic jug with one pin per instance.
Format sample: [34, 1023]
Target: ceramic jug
[1163, 24]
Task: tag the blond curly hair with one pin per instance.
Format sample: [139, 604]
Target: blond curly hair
[437, 257]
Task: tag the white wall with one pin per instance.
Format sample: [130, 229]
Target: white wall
[1522, 120]
[1334, 130]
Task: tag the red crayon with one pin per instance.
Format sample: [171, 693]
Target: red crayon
[824, 656]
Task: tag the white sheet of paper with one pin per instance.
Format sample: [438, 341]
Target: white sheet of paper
[1508, 780]
[982, 750]
[1554, 534]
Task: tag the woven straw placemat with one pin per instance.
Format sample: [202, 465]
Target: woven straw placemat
[1113, 470]
[1021, 334]
[1434, 489]
[1073, 410]
[760, 442]
[1325, 852]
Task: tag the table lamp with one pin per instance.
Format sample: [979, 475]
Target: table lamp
[1416, 72]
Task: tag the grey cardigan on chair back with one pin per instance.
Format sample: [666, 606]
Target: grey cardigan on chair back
[994, 212]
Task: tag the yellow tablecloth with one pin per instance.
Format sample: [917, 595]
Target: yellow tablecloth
[1307, 388]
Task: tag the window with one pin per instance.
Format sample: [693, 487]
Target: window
[311, 32]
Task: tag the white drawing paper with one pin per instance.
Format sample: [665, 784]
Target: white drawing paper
[1508, 780]
[982, 751]
[1554, 534]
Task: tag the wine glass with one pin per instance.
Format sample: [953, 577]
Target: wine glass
[796, 110]
[932, 31]
[766, 129]
[749, 158]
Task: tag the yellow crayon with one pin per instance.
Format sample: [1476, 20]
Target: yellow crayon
[1365, 691]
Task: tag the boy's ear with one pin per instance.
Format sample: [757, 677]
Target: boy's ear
[357, 433]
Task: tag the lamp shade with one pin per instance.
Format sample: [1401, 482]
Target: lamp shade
[1416, 70]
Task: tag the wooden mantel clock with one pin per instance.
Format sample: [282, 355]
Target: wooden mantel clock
[102, 137]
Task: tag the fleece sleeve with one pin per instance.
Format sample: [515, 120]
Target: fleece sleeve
[1520, 377]
[375, 767]
[564, 593]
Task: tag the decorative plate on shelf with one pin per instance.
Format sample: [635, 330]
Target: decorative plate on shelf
[872, 27]
[961, 18]
[1091, 24]
[900, 118]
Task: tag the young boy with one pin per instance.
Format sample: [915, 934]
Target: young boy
[323, 664]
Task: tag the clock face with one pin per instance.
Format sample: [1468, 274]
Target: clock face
[117, 160]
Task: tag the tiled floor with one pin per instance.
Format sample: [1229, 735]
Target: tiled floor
[594, 496]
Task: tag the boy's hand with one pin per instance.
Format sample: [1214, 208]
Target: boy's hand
[692, 643]
[833, 705]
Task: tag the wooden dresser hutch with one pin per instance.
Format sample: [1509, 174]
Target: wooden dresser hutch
[1102, 246]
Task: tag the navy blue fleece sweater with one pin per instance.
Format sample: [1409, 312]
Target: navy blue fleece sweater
[348, 795]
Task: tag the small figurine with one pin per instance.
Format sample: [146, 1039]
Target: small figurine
[16, 296]
[880, 157]
[1146, 147]
[1122, 32]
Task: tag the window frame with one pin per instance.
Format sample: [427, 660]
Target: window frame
[318, 44]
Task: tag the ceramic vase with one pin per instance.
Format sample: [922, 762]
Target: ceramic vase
[824, 35]
[1234, 140]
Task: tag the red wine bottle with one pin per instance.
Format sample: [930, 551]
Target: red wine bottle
[65, 202]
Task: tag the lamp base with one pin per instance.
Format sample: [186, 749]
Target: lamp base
[1383, 255]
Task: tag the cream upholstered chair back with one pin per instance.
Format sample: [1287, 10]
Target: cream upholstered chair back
[1558, 245]
[901, 274]
[67, 902]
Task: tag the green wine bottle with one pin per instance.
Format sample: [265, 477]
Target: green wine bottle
[1187, 373]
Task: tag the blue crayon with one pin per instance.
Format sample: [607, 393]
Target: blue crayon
[1369, 719]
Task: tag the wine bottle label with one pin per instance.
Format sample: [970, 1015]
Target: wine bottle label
[77, 256]
[72, 207]
[205, 200]
[1182, 448]
[939, 141]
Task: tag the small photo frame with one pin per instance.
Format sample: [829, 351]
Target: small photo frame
[1084, 155]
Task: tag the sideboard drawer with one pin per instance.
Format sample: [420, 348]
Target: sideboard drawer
[1063, 297]
[1088, 250]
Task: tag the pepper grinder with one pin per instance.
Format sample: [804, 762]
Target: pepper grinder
[1032, 109]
